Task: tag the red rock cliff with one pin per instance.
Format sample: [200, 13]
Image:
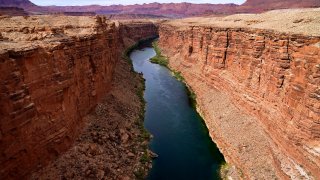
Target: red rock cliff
[54, 70]
[246, 78]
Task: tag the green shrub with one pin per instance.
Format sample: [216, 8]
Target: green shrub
[224, 169]
[178, 76]
[158, 58]
[145, 158]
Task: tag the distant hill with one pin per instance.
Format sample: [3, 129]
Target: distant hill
[168, 10]
[173, 10]
[254, 6]
[12, 11]
[25, 4]
[133, 16]
[15, 3]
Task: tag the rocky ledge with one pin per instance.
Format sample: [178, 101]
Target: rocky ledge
[257, 82]
[54, 72]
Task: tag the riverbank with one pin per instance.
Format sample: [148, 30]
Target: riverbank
[225, 170]
[164, 61]
[114, 144]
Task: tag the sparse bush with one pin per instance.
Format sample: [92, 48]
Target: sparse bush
[223, 170]
[158, 58]
[178, 76]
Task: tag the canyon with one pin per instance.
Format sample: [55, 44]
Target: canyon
[54, 73]
[70, 103]
[257, 82]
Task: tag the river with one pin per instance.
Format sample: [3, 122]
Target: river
[180, 137]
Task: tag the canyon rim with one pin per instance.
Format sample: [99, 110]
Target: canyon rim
[55, 72]
[257, 84]
[71, 106]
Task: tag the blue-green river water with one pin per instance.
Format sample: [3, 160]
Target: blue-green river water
[180, 138]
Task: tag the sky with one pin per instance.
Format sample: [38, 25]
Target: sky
[126, 2]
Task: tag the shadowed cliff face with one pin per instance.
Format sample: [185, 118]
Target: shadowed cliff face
[273, 77]
[54, 72]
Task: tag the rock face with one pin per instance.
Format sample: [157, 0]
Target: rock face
[54, 72]
[132, 32]
[110, 146]
[258, 90]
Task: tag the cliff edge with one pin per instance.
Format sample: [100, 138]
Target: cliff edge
[257, 81]
[54, 72]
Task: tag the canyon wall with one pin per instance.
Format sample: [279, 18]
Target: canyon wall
[54, 70]
[131, 32]
[258, 90]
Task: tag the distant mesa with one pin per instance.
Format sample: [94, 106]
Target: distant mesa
[256, 6]
[154, 10]
[76, 13]
[12, 11]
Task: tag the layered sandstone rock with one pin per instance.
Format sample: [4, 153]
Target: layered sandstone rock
[54, 70]
[257, 80]
[131, 31]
